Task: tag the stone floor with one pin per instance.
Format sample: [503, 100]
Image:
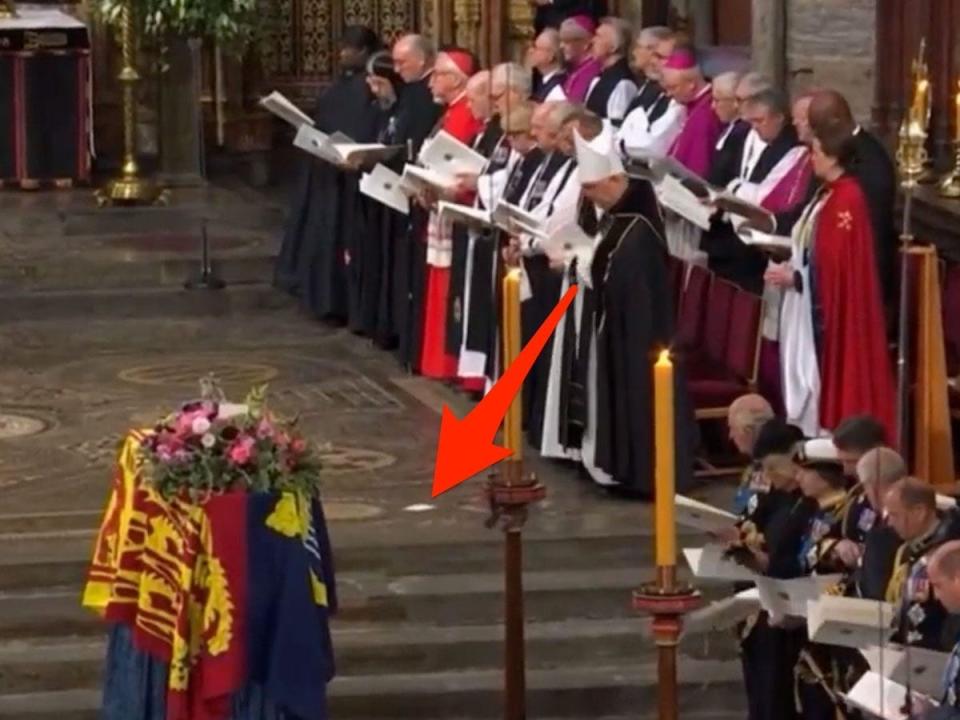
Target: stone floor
[97, 335]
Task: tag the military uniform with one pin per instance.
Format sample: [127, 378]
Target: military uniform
[823, 672]
[921, 620]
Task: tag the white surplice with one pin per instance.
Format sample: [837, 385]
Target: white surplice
[798, 350]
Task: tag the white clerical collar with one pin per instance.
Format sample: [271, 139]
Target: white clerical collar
[725, 135]
[548, 76]
[857, 130]
[457, 99]
[753, 148]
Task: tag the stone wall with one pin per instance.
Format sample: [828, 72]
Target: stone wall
[830, 43]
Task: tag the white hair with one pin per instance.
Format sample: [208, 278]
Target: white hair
[753, 83]
[622, 33]
[513, 76]
[421, 44]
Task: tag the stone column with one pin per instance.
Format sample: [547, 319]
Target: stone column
[181, 117]
[770, 39]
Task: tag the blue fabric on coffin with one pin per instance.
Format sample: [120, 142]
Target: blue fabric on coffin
[135, 687]
[290, 653]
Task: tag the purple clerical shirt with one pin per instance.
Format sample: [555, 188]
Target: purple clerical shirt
[579, 78]
[695, 144]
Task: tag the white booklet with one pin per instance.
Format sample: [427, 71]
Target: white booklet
[416, 178]
[277, 104]
[468, 215]
[849, 622]
[674, 196]
[695, 514]
[448, 156]
[315, 142]
[722, 614]
[759, 217]
[383, 185]
[779, 245]
[789, 598]
[514, 219]
[568, 237]
[709, 563]
[881, 698]
[920, 669]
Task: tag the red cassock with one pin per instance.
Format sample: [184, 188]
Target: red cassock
[459, 122]
[856, 373]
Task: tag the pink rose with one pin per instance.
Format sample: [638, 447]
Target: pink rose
[264, 429]
[241, 450]
[298, 445]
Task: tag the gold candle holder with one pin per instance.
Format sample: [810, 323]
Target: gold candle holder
[950, 184]
[129, 188]
[512, 342]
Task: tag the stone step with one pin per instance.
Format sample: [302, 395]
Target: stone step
[37, 559]
[145, 301]
[580, 692]
[41, 664]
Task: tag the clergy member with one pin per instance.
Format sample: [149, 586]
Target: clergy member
[453, 70]
[724, 164]
[833, 346]
[653, 119]
[546, 59]
[483, 189]
[312, 262]
[614, 88]
[634, 322]
[576, 37]
[411, 115]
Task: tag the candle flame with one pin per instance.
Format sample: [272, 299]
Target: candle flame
[664, 358]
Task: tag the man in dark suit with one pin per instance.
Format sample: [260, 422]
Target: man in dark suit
[550, 13]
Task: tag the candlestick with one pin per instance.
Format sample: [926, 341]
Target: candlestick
[956, 117]
[512, 422]
[665, 526]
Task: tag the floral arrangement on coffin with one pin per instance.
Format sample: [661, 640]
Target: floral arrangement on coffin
[210, 446]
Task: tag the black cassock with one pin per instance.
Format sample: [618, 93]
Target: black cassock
[491, 143]
[634, 322]
[487, 269]
[326, 210]
[403, 287]
[406, 123]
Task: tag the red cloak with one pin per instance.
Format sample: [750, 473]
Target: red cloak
[856, 373]
[460, 122]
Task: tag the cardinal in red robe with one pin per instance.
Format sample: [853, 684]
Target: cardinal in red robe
[856, 373]
[448, 83]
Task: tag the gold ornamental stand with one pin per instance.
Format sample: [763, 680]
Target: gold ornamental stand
[7, 9]
[129, 188]
[510, 492]
[911, 159]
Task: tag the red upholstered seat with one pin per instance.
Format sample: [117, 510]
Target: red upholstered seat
[716, 325]
[693, 302]
[743, 341]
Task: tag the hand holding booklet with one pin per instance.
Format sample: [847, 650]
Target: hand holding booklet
[849, 622]
[513, 219]
[695, 514]
[416, 178]
[722, 614]
[759, 218]
[383, 185]
[675, 196]
[917, 668]
[710, 563]
[446, 155]
[277, 104]
[472, 217]
[790, 598]
[882, 698]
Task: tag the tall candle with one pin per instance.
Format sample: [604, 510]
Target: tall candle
[511, 340]
[665, 525]
[956, 129]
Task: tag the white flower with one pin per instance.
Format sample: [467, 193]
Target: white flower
[200, 426]
[208, 440]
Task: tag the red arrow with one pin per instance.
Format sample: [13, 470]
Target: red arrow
[466, 446]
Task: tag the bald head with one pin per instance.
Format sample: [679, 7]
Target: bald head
[944, 572]
[911, 507]
[478, 95]
[828, 109]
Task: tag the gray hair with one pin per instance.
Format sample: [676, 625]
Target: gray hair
[753, 83]
[729, 80]
[552, 35]
[655, 33]
[560, 112]
[513, 76]
[774, 100]
[421, 44]
[882, 466]
[622, 32]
